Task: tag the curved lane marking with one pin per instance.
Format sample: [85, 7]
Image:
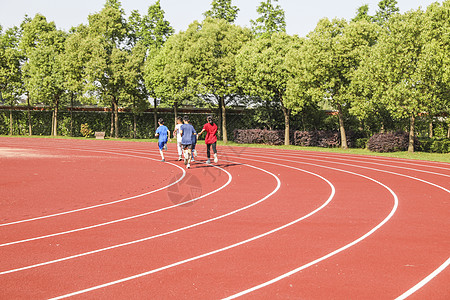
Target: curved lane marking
[218, 250]
[122, 219]
[103, 204]
[424, 281]
[154, 236]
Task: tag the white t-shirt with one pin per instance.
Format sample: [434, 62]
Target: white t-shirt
[177, 127]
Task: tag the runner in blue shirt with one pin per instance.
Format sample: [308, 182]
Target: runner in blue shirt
[163, 135]
[187, 132]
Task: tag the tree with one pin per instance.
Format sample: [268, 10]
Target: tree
[398, 67]
[222, 9]
[262, 70]
[435, 61]
[152, 31]
[11, 85]
[168, 72]
[107, 54]
[271, 19]
[386, 9]
[362, 13]
[333, 52]
[212, 53]
[43, 45]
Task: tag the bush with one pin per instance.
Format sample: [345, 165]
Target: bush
[260, 136]
[390, 142]
[361, 143]
[440, 146]
[317, 138]
[85, 130]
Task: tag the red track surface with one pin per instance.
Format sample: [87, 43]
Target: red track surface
[107, 220]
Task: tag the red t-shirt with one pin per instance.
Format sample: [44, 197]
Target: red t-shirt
[211, 130]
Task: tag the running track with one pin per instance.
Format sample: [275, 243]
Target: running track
[107, 220]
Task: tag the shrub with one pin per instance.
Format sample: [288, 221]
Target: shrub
[390, 142]
[85, 130]
[260, 136]
[317, 138]
[440, 146]
[361, 143]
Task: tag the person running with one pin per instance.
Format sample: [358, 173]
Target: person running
[163, 135]
[187, 131]
[210, 139]
[177, 132]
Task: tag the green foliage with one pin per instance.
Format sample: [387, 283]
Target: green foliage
[11, 86]
[85, 130]
[222, 9]
[271, 19]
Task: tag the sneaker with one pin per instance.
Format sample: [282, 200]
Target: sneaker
[180, 158]
[163, 160]
[208, 161]
[165, 147]
[188, 166]
[192, 159]
[195, 153]
[215, 159]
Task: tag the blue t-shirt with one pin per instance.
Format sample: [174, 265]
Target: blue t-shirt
[162, 131]
[188, 132]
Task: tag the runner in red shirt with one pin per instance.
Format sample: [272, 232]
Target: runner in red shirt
[211, 139]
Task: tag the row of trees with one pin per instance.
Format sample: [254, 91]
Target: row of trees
[376, 68]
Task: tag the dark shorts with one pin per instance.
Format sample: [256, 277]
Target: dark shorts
[161, 145]
[185, 147]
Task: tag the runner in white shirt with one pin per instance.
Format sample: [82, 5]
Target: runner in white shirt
[177, 132]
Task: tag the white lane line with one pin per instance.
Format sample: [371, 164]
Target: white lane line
[303, 156]
[122, 219]
[298, 153]
[154, 236]
[108, 203]
[424, 281]
[316, 261]
[351, 165]
[218, 250]
[341, 249]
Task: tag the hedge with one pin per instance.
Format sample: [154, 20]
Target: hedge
[390, 142]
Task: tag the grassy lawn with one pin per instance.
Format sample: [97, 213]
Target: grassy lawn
[415, 155]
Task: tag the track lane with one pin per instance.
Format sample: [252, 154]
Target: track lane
[347, 266]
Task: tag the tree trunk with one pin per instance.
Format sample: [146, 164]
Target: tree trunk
[224, 120]
[55, 118]
[411, 133]
[11, 122]
[286, 113]
[448, 131]
[134, 119]
[175, 112]
[155, 113]
[71, 115]
[430, 129]
[30, 128]
[116, 117]
[344, 144]
[112, 120]
[219, 127]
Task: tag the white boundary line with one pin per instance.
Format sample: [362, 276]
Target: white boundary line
[218, 250]
[312, 157]
[343, 248]
[108, 203]
[359, 157]
[424, 281]
[123, 219]
[154, 236]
